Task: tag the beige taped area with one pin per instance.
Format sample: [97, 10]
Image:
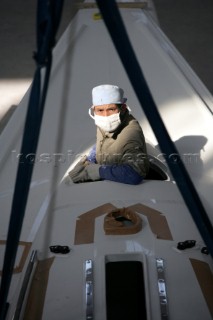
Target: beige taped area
[122, 221]
[157, 221]
[26, 248]
[205, 279]
[37, 292]
[85, 225]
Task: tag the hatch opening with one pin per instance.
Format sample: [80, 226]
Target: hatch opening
[125, 291]
[155, 172]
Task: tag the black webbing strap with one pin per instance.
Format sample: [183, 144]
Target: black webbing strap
[117, 31]
[48, 18]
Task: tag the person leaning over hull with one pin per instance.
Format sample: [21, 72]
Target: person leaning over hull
[120, 151]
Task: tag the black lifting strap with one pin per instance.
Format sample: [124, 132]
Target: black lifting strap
[116, 28]
[48, 18]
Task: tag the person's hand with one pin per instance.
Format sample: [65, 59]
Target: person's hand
[92, 170]
[85, 171]
[79, 167]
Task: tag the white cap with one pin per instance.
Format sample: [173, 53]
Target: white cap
[107, 94]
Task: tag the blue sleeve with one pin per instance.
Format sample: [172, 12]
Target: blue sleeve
[92, 155]
[123, 173]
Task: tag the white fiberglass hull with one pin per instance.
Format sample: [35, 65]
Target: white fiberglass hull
[83, 58]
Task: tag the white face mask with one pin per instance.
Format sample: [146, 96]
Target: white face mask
[109, 123]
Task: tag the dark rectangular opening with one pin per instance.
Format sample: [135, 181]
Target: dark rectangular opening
[125, 293]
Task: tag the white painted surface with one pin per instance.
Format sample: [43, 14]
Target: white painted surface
[85, 57]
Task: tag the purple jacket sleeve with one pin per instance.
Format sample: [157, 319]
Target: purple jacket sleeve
[123, 173]
[92, 155]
